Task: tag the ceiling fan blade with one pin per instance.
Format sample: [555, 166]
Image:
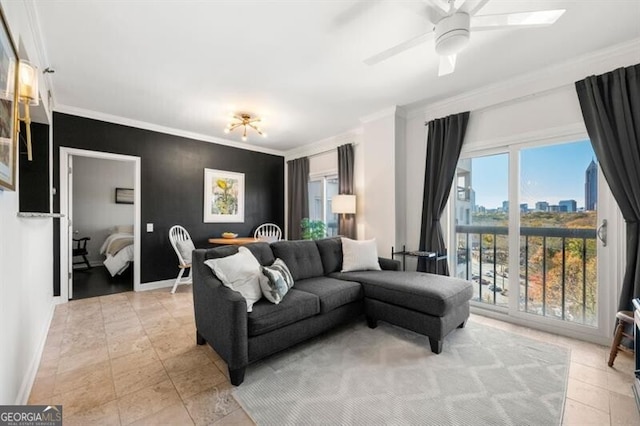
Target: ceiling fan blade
[353, 12]
[435, 11]
[541, 18]
[447, 65]
[471, 7]
[386, 54]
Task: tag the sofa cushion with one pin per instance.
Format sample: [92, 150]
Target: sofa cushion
[359, 255]
[302, 258]
[428, 293]
[330, 250]
[279, 281]
[296, 305]
[332, 293]
[261, 251]
[240, 272]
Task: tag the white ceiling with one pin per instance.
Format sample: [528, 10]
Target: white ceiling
[184, 64]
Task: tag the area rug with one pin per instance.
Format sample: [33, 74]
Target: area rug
[358, 376]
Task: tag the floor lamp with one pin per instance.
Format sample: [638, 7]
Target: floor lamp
[344, 204]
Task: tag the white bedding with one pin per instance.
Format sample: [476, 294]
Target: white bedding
[118, 264]
[118, 248]
[116, 242]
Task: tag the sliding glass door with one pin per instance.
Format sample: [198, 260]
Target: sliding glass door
[481, 223]
[524, 228]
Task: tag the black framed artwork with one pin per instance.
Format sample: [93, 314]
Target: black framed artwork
[124, 196]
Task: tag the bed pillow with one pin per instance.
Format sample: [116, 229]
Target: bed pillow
[185, 248]
[240, 272]
[359, 255]
[279, 281]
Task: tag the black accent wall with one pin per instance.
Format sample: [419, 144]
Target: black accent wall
[172, 170]
[34, 185]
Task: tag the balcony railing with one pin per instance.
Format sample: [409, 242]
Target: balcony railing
[557, 275]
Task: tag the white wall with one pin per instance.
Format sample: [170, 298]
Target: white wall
[95, 211]
[378, 148]
[26, 264]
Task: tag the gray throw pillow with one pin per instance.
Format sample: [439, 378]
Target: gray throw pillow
[278, 283]
[185, 248]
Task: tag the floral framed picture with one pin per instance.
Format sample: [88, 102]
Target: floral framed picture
[8, 108]
[223, 196]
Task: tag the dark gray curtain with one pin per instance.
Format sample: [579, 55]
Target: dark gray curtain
[346, 222]
[298, 194]
[611, 109]
[445, 137]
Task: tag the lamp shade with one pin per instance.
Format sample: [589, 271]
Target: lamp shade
[343, 203]
[28, 83]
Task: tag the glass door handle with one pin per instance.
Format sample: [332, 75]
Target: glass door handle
[602, 232]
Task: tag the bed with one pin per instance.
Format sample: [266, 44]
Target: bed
[118, 249]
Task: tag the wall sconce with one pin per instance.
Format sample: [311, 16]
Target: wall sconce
[28, 96]
[343, 203]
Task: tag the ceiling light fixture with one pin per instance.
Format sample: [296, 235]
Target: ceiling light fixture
[244, 120]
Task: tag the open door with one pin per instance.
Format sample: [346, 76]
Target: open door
[67, 222]
[70, 226]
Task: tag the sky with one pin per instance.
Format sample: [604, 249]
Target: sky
[548, 173]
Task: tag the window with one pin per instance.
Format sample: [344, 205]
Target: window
[321, 191]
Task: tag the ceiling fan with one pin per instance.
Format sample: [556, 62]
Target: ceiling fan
[453, 22]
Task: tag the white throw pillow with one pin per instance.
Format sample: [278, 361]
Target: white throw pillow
[240, 272]
[359, 255]
[185, 248]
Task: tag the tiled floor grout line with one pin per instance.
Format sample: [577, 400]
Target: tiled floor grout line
[113, 378]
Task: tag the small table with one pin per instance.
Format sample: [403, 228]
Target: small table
[233, 241]
[428, 255]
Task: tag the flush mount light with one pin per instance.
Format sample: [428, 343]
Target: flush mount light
[244, 120]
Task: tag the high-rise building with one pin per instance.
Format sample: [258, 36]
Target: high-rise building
[505, 206]
[568, 206]
[591, 186]
[524, 208]
[542, 206]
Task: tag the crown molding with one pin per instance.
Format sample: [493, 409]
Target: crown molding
[531, 83]
[325, 145]
[95, 115]
[387, 112]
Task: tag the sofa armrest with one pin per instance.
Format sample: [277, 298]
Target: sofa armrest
[389, 264]
[221, 314]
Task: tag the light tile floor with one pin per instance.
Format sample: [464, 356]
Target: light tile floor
[131, 358]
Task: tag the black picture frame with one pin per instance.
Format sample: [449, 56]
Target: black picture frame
[8, 107]
[124, 195]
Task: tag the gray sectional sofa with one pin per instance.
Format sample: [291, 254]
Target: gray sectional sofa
[322, 298]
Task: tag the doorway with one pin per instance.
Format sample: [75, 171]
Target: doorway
[100, 233]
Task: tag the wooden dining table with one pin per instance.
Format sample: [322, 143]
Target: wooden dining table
[238, 241]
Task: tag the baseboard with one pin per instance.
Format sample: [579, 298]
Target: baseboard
[32, 371]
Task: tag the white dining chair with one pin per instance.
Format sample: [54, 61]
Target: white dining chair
[183, 246]
[268, 232]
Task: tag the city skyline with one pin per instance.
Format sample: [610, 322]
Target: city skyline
[546, 175]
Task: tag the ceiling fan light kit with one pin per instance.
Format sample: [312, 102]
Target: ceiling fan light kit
[453, 21]
[452, 34]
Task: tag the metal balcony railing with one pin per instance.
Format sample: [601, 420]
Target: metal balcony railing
[557, 269]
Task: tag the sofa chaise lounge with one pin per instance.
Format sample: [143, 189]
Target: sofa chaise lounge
[321, 298]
